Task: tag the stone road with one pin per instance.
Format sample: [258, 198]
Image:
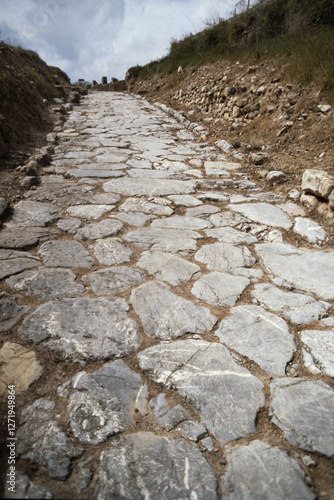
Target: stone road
[192, 308]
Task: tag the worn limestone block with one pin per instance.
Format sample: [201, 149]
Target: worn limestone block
[220, 289]
[310, 230]
[317, 182]
[167, 417]
[10, 312]
[165, 240]
[110, 251]
[65, 253]
[113, 279]
[319, 357]
[181, 222]
[168, 267]
[155, 187]
[264, 213]
[14, 261]
[224, 257]
[18, 366]
[97, 230]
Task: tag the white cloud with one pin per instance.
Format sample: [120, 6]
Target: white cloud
[92, 38]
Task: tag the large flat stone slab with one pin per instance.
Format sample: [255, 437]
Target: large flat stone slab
[230, 235]
[181, 222]
[103, 403]
[41, 440]
[65, 193]
[155, 187]
[89, 212]
[226, 395]
[166, 315]
[19, 367]
[224, 257]
[10, 312]
[14, 261]
[47, 283]
[137, 219]
[65, 253]
[62, 326]
[145, 206]
[101, 174]
[304, 410]
[264, 213]
[21, 238]
[310, 230]
[113, 279]
[220, 289]
[144, 465]
[165, 240]
[307, 270]
[263, 471]
[296, 307]
[97, 230]
[168, 267]
[261, 336]
[319, 351]
[34, 213]
[110, 251]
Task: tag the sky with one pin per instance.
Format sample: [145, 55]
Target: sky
[93, 38]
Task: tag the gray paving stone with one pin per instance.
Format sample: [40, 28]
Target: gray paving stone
[263, 471]
[185, 200]
[220, 289]
[147, 207]
[102, 174]
[70, 225]
[166, 315]
[62, 326]
[89, 211]
[296, 307]
[10, 312]
[144, 465]
[102, 404]
[97, 230]
[110, 251]
[63, 194]
[113, 279]
[225, 394]
[213, 196]
[65, 253]
[21, 238]
[264, 213]
[138, 173]
[137, 219]
[168, 240]
[33, 213]
[319, 345]
[224, 257]
[104, 199]
[310, 230]
[261, 336]
[192, 430]
[167, 417]
[47, 283]
[288, 263]
[304, 410]
[41, 440]
[139, 163]
[168, 267]
[155, 187]
[230, 219]
[25, 488]
[14, 261]
[230, 235]
[181, 222]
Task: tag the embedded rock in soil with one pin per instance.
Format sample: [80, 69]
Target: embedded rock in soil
[231, 236]
[102, 403]
[224, 257]
[261, 336]
[113, 279]
[309, 230]
[41, 440]
[10, 312]
[166, 240]
[259, 470]
[65, 253]
[89, 211]
[304, 410]
[288, 263]
[110, 251]
[317, 182]
[168, 267]
[167, 417]
[181, 222]
[155, 187]
[296, 307]
[144, 465]
[166, 315]
[25, 237]
[226, 395]
[147, 207]
[33, 213]
[320, 350]
[47, 283]
[63, 327]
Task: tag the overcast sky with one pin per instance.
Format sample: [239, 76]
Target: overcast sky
[94, 38]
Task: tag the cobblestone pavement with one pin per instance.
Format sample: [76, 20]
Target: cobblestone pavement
[170, 323]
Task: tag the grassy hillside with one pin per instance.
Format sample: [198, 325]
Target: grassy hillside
[301, 32]
[25, 80]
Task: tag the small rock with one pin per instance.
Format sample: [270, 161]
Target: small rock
[18, 366]
[276, 176]
[166, 417]
[318, 182]
[258, 158]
